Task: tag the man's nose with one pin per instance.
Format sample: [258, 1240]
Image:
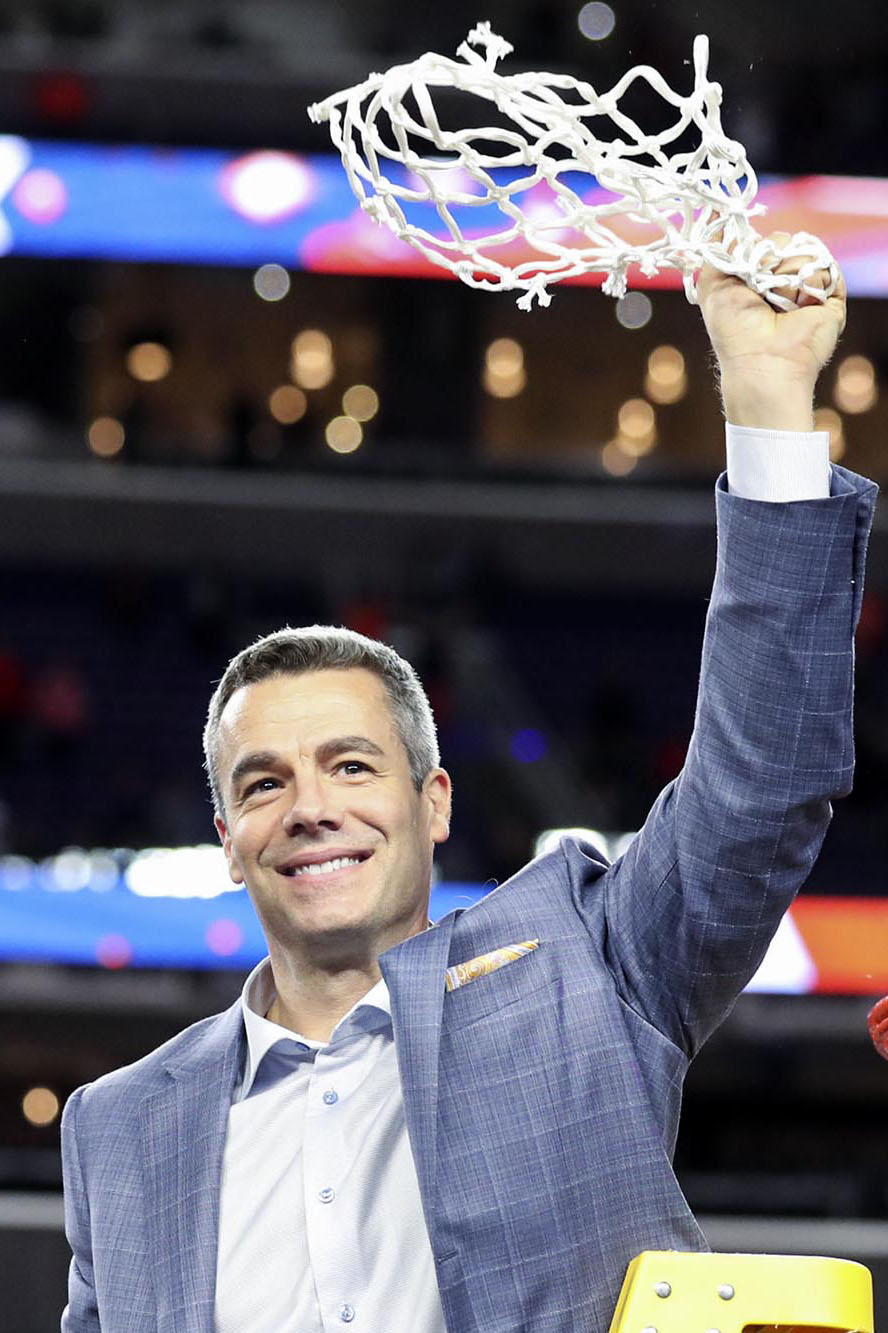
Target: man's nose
[313, 808]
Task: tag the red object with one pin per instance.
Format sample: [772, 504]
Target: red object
[114, 951]
[877, 1022]
[61, 96]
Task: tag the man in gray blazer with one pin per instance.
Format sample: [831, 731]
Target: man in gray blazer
[469, 1127]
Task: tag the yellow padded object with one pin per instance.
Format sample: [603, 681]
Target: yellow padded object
[669, 1291]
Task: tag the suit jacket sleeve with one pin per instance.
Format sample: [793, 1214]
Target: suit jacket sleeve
[691, 907]
[81, 1314]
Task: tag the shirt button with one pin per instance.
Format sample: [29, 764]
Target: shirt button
[326, 1195]
[331, 1097]
[346, 1313]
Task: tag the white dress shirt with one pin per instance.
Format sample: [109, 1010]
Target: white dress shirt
[321, 1225]
[777, 465]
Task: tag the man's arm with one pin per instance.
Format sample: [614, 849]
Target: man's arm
[691, 907]
[81, 1313]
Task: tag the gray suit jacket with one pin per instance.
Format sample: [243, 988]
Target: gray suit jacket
[542, 1100]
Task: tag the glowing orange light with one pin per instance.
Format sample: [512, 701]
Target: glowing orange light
[856, 387]
[40, 1106]
[106, 437]
[287, 404]
[311, 359]
[149, 362]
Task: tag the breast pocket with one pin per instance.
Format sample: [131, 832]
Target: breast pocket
[499, 990]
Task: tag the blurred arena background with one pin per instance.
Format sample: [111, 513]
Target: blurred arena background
[225, 404]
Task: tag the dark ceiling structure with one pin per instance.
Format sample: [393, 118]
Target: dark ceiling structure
[804, 81]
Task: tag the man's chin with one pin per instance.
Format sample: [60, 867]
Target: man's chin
[328, 939]
[339, 942]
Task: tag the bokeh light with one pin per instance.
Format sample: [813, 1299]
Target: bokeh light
[224, 937]
[360, 402]
[637, 433]
[113, 951]
[634, 310]
[149, 361]
[41, 196]
[856, 387]
[287, 404]
[311, 359]
[271, 282]
[343, 435]
[596, 21]
[69, 871]
[528, 745]
[40, 1106]
[17, 872]
[666, 380]
[268, 185]
[104, 872]
[615, 462]
[106, 437]
[504, 375]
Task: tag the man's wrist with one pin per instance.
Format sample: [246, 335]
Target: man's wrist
[765, 402]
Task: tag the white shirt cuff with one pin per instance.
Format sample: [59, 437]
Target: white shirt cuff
[777, 465]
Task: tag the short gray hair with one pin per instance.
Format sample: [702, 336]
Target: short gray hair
[323, 648]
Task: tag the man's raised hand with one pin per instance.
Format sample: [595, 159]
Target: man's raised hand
[769, 359]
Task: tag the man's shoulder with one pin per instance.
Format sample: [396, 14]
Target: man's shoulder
[571, 853]
[197, 1045]
[553, 881]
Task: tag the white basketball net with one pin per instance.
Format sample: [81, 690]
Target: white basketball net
[694, 206]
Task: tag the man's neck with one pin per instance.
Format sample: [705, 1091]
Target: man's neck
[311, 1002]
[316, 988]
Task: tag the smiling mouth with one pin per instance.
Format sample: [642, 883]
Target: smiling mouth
[314, 868]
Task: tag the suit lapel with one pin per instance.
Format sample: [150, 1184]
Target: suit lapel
[414, 973]
[185, 1128]
[186, 1123]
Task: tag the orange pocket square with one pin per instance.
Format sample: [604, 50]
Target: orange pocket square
[462, 973]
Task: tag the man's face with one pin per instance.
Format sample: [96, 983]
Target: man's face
[322, 821]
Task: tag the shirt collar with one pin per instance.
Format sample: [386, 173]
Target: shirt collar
[372, 1013]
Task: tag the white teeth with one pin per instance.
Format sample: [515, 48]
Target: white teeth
[324, 867]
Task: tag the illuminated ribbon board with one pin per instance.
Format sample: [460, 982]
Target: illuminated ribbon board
[212, 207]
[177, 908]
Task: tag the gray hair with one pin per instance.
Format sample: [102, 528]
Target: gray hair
[323, 648]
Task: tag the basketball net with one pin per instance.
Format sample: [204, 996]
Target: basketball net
[652, 208]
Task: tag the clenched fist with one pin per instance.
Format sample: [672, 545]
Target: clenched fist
[769, 360]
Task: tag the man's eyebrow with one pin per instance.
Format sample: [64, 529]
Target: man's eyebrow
[258, 760]
[340, 744]
[249, 763]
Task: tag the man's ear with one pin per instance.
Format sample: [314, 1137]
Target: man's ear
[234, 870]
[437, 790]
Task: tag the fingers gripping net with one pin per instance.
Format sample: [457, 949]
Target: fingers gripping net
[694, 206]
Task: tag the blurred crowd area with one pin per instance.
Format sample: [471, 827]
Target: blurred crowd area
[128, 365]
[553, 709]
[564, 690]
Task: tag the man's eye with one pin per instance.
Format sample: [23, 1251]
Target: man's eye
[261, 784]
[351, 767]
